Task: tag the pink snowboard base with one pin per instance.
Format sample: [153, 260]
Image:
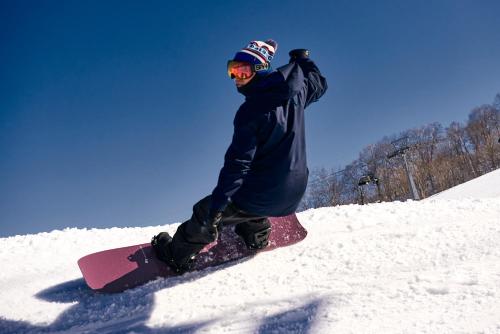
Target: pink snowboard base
[118, 269]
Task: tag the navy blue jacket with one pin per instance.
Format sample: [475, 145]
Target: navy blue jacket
[265, 167]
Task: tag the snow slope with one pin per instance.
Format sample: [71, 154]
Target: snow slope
[485, 186]
[416, 267]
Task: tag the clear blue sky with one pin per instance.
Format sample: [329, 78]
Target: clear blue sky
[118, 113]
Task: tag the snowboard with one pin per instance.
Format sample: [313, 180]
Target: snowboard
[119, 269]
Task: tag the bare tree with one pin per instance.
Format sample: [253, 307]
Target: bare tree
[460, 149]
[483, 130]
[438, 158]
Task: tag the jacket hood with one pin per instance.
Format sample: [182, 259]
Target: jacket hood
[279, 85]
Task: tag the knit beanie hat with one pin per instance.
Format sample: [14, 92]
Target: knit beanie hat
[258, 53]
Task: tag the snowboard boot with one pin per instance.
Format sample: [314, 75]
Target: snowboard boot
[255, 236]
[162, 246]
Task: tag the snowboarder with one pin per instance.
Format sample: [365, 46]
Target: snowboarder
[265, 171]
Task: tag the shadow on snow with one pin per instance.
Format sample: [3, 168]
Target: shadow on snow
[298, 320]
[130, 310]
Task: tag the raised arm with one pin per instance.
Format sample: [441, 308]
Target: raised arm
[316, 83]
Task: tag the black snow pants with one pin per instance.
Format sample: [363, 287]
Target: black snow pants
[191, 236]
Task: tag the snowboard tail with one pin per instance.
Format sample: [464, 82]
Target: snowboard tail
[118, 269]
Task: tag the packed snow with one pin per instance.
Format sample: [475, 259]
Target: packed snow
[485, 186]
[431, 266]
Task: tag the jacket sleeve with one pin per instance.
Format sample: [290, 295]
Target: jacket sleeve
[316, 83]
[237, 162]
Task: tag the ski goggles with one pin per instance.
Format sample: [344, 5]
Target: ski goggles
[242, 70]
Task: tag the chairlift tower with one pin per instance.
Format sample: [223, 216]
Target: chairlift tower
[401, 147]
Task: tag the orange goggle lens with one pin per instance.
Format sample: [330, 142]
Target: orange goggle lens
[239, 70]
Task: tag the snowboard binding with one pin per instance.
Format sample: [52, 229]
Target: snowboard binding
[161, 244]
[254, 240]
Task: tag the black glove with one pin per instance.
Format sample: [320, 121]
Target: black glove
[298, 54]
[212, 224]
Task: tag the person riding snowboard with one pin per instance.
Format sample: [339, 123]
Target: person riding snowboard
[265, 170]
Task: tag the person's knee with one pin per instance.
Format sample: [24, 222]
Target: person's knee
[198, 232]
[202, 207]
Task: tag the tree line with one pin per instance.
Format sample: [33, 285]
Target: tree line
[437, 158]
